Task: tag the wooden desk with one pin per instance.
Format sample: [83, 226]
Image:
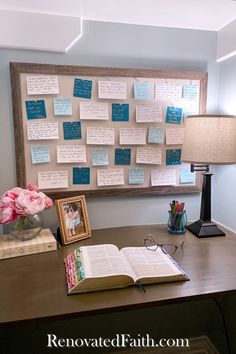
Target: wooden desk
[34, 287]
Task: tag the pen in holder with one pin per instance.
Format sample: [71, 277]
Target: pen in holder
[177, 218]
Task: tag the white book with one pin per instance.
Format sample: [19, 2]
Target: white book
[10, 248]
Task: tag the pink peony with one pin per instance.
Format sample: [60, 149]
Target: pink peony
[48, 202]
[7, 214]
[32, 187]
[10, 196]
[29, 203]
[22, 202]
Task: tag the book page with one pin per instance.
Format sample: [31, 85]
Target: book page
[150, 264]
[104, 261]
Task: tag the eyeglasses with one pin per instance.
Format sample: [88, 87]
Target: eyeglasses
[151, 245]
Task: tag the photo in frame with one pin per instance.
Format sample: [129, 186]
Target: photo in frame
[73, 219]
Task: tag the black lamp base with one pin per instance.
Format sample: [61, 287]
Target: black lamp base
[205, 229]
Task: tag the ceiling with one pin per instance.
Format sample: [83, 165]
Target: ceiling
[193, 14]
[56, 25]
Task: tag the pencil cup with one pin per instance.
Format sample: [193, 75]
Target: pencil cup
[177, 222]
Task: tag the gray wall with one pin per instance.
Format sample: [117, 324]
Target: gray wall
[224, 190]
[117, 45]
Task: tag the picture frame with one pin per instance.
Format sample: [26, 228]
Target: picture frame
[73, 219]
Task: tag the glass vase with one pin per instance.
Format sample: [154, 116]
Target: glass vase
[27, 227]
[177, 222]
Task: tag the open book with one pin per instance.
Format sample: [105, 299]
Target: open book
[100, 267]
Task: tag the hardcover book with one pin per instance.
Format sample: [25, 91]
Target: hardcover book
[44, 242]
[100, 267]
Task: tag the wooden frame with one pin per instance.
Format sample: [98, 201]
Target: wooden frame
[16, 69]
[73, 219]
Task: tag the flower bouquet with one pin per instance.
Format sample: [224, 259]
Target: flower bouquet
[22, 208]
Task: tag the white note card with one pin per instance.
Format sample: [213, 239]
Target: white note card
[100, 136]
[174, 136]
[42, 130]
[146, 114]
[163, 177]
[71, 153]
[146, 155]
[42, 85]
[52, 179]
[94, 110]
[110, 177]
[167, 92]
[115, 90]
[132, 136]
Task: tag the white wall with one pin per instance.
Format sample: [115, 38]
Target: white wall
[224, 179]
[117, 45]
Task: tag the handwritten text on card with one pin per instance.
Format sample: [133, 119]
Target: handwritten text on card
[174, 136]
[163, 177]
[110, 177]
[145, 114]
[71, 153]
[42, 130]
[100, 136]
[94, 110]
[52, 179]
[100, 157]
[40, 154]
[132, 136]
[62, 106]
[112, 90]
[148, 155]
[42, 85]
[191, 92]
[167, 92]
[136, 175]
[156, 135]
[142, 90]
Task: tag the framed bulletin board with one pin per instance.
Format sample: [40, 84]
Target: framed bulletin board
[103, 131]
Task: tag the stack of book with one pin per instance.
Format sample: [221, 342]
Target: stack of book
[44, 242]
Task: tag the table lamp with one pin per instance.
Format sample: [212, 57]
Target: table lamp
[208, 140]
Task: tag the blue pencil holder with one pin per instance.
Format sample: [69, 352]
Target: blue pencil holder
[177, 222]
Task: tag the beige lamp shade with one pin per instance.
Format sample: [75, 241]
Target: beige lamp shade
[210, 139]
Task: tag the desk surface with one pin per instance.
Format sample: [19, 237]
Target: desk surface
[34, 287]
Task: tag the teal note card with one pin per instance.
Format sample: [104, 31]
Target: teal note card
[81, 175]
[83, 88]
[72, 130]
[156, 135]
[186, 176]
[136, 176]
[120, 112]
[40, 154]
[142, 90]
[100, 157]
[173, 157]
[35, 109]
[173, 115]
[190, 92]
[122, 156]
[62, 106]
